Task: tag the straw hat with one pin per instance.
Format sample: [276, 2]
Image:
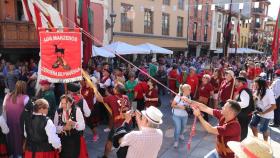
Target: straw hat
[251, 147]
[153, 114]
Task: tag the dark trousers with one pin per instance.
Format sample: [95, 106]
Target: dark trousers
[70, 146]
[161, 90]
[140, 104]
[244, 120]
[269, 74]
[277, 112]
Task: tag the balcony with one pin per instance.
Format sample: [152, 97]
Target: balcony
[18, 34]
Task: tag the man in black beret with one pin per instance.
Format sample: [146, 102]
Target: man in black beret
[245, 99]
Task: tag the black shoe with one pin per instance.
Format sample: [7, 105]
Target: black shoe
[273, 125]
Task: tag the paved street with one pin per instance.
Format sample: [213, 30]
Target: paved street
[202, 142]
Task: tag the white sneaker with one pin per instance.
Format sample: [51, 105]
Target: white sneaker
[107, 130]
[182, 137]
[175, 144]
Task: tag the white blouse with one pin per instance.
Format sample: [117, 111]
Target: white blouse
[80, 122]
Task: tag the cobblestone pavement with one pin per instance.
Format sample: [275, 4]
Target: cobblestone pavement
[201, 144]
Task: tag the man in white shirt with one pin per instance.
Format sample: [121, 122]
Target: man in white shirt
[246, 102]
[145, 143]
[276, 90]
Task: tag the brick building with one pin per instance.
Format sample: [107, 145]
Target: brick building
[199, 26]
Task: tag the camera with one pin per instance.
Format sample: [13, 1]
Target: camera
[258, 110]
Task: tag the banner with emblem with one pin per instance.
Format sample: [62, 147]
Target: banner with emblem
[61, 55]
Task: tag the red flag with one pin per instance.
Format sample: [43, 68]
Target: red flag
[85, 25]
[26, 10]
[38, 16]
[276, 40]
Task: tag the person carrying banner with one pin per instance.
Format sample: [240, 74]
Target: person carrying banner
[227, 130]
[119, 104]
[69, 122]
[93, 120]
[40, 132]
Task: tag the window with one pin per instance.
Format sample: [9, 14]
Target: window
[126, 24]
[257, 23]
[207, 12]
[219, 21]
[166, 2]
[181, 4]
[205, 32]
[19, 11]
[165, 24]
[180, 23]
[194, 30]
[148, 21]
[196, 8]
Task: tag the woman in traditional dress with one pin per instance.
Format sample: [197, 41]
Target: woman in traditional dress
[40, 132]
[69, 122]
[13, 106]
[3, 141]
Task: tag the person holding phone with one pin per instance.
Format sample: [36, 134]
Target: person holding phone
[180, 115]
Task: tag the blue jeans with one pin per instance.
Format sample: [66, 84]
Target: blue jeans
[212, 154]
[180, 124]
[260, 120]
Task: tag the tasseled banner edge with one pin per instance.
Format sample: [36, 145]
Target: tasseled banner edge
[68, 80]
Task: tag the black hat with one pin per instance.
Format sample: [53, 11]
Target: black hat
[73, 87]
[242, 79]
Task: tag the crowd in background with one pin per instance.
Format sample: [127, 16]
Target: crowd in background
[210, 81]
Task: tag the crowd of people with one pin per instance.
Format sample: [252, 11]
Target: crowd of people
[42, 120]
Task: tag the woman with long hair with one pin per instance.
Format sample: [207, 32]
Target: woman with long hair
[265, 104]
[13, 106]
[180, 115]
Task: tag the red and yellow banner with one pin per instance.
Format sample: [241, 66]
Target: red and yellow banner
[60, 56]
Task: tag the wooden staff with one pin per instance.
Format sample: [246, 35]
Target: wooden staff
[92, 85]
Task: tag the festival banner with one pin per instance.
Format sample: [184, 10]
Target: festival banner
[61, 56]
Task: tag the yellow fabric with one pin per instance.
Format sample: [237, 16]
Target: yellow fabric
[91, 85]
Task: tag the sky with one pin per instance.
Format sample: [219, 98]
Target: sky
[273, 8]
